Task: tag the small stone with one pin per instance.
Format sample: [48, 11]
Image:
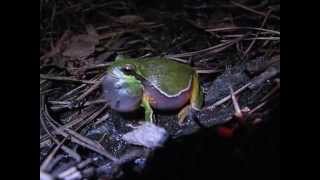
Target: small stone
[148, 135]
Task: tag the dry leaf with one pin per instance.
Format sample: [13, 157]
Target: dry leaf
[81, 46]
[130, 19]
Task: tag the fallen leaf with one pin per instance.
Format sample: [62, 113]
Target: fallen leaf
[130, 19]
[81, 46]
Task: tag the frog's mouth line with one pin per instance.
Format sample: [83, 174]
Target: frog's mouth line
[115, 74]
[146, 82]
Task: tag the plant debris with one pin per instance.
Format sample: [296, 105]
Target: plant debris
[233, 45]
[147, 135]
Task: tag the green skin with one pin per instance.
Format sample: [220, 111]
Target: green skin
[170, 80]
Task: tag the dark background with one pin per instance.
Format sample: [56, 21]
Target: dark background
[207, 156]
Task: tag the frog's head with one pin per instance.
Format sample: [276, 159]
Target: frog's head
[122, 90]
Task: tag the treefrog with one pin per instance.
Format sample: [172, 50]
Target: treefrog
[152, 83]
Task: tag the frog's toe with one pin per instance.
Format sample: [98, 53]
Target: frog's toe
[188, 115]
[183, 115]
[151, 118]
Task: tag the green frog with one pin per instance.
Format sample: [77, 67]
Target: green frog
[152, 83]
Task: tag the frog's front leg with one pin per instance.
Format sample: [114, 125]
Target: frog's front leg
[196, 101]
[148, 112]
[183, 114]
[197, 97]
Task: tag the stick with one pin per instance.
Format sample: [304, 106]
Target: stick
[65, 79]
[254, 40]
[215, 49]
[95, 86]
[253, 11]
[243, 28]
[225, 99]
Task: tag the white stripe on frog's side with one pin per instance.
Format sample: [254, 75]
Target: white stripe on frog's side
[195, 108]
[117, 73]
[174, 95]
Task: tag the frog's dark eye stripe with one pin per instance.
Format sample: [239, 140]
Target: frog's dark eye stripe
[137, 76]
[127, 72]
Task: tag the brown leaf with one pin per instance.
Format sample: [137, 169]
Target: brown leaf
[57, 48]
[91, 30]
[81, 46]
[130, 19]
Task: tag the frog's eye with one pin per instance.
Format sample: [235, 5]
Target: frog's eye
[128, 68]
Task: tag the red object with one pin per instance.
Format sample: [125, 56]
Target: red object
[225, 132]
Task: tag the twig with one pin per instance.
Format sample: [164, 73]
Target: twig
[264, 38]
[266, 75]
[88, 143]
[68, 104]
[68, 94]
[81, 140]
[112, 34]
[74, 171]
[71, 124]
[257, 108]
[66, 79]
[77, 138]
[59, 144]
[225, 99]
[273, 90]
[177, 59]
[44, 92]
[46, 162]
[70, 174]
[254, 40]
[45, 176]
[100, 120]
[200, 51]
[208, 71]
[95, 86]
[259, 38]
[236, 106]
[232, 36]
[132, 155]
[55, 161]
[98, 66]
[92, 117]
[214, 49]
[253, 11]
[243, 28]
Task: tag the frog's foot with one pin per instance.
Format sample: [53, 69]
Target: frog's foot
[148, 112]
[183, 114]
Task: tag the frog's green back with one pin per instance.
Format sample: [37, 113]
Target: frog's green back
[166, 75]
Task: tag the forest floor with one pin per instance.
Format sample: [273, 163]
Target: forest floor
[233, 45]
